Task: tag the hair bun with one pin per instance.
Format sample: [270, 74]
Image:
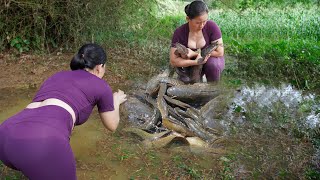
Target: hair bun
[187, 9]
[77, 62]
[196, 8]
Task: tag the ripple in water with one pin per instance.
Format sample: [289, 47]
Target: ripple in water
[263, 101]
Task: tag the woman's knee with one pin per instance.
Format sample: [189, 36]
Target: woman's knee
[213, 68]
[215, 63]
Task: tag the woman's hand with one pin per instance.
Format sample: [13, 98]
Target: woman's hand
[191, 54]
[200, 60]
[110, 119]
[119, 97]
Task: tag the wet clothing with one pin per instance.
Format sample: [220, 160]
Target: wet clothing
[211, 32]
[36, 141]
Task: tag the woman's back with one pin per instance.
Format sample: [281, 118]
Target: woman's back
[80, 89]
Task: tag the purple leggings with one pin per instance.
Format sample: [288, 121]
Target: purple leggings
[36, 142]
[213, 68]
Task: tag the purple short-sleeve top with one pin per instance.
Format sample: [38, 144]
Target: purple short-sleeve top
[79, 89]
[210, 31]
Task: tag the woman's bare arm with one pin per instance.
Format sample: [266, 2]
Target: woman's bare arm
[176, 61]
[220, 50]
[110, 119]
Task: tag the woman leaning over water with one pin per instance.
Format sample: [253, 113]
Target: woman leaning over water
[35, 141]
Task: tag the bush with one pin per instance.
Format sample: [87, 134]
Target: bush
[45, 24]
[48, 25]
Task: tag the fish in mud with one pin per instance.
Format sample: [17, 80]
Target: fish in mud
[140, 114]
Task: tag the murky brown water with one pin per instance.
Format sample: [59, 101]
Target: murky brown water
[84, 138]
[104, 155]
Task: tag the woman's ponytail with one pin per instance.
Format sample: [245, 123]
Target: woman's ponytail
[77, 62]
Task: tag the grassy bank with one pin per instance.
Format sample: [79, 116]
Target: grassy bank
[273, 44]
[269, 44]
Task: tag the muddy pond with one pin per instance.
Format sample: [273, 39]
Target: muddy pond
[261, 141]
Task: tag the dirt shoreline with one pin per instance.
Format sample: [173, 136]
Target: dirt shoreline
[29, 71]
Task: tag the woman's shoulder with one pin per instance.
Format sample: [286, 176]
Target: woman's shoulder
[64, 73]
[211, 24]
[182, 28]
[102, 88]
[58, 75]
[180, 35]
[79, 76]
[98, 83]
[92, 84]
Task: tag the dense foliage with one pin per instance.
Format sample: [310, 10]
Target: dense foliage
[50, 25]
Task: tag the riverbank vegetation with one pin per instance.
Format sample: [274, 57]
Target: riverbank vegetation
[271, 40]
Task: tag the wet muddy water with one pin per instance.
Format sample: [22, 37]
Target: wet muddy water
[101, 154]
[251, 152]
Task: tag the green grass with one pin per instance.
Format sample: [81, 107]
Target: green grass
[273, 24]
[9, 174]
[269, 45]
[273, 44]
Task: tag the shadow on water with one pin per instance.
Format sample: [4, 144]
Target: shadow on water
[262, 142]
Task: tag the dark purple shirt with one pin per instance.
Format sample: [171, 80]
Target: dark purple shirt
[81, 90]
[210, 31]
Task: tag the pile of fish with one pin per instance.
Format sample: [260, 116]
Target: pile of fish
[167, 110]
